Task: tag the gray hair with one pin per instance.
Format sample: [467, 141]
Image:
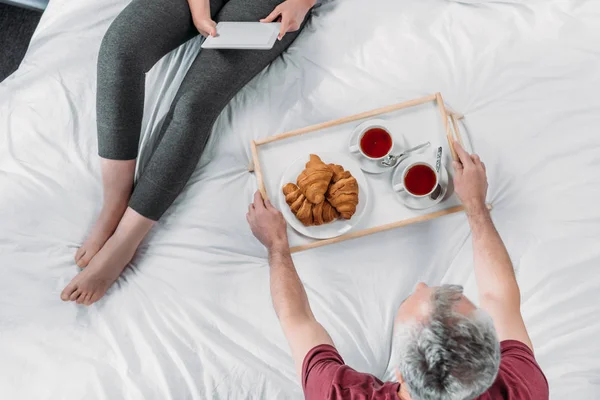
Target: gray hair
[449, 356]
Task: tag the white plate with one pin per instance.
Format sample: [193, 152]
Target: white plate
[370, 166]
[335, 228]
[419, 203]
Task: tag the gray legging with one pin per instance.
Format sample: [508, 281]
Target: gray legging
[141, 35]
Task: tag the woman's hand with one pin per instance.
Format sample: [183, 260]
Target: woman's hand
[200, 10]
[290, 13]
[206, 26]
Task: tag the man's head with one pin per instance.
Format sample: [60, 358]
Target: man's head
[444, 346]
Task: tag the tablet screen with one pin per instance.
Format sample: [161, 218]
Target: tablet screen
[243, 35]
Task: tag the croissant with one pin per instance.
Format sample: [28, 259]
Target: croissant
[314, 180]
[324, 213]
[300, 206]
[343, 192]
[306, 212]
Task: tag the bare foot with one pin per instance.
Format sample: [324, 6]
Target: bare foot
[103, 270]
[103, 228]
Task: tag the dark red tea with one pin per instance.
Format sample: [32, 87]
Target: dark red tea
[376, 143]
[420, 180]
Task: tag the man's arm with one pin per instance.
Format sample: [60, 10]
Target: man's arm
[299, 325]
[499, 292]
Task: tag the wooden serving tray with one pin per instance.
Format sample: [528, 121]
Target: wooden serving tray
[449, 126]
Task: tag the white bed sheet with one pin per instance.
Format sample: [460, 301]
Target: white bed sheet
[192, 318]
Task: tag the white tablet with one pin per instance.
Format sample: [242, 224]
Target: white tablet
[243, 35]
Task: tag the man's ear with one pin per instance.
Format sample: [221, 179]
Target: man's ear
[403, 392]
[398, 376]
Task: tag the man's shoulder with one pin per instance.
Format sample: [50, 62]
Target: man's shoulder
[519, 377]
[326, 376]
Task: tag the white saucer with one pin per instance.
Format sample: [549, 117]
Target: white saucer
[418, 203]
[370, 166]
[335, 228]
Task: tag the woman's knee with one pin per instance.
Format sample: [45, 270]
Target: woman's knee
[113, 50]
[192, 119]
[123, 48]
[194, 107]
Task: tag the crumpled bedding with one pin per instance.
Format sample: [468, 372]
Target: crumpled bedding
[191, 318]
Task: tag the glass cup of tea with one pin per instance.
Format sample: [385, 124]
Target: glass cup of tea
[419, 178]
[374, 142]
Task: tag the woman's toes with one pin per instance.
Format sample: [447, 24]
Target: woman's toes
[88, 300]
[75, 295]
[80, 260]
[78, 254]
[81, 298]
[85, 259]
[94, 298]
[68, 291]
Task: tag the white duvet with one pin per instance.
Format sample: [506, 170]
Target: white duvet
[192, 318]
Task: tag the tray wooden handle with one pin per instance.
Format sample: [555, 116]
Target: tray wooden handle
[444, 113]
[457, 134]
[350, 118]
[258, 171]
[381, 228]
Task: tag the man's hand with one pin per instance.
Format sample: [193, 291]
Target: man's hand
[267, 223]
[470, 181]
[290, 13]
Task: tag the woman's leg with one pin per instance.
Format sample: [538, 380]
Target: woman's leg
[210, 83]
[213, 79]
[143, 32]
[106, 266]
[117, 183]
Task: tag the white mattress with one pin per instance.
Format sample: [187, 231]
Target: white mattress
[192, 317]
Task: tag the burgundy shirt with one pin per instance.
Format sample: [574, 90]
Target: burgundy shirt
[326, 377]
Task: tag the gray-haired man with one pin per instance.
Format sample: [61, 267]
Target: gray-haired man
[444, 346]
